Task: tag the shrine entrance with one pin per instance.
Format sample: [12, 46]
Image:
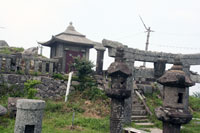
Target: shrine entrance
[70, 58]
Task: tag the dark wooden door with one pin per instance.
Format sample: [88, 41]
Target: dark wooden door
[70, 58]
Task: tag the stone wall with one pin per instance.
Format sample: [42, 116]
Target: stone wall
[49, 87]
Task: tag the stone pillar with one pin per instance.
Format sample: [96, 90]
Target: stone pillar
[43, 67]
[8, 64]
[27, 66]
[0, 64]
[129, 86]
[171, 128]
[36, 66]
[159, 68]
[99, 63]
[119, 72]
[186, 69]
[29, 116]
[51, 68]
[87, 53]
[18, 61]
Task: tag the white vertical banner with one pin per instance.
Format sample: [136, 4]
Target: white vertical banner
[68, 85]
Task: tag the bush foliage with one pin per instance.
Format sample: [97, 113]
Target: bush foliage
[30, 91]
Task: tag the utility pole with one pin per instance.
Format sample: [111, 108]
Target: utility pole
[148, 30]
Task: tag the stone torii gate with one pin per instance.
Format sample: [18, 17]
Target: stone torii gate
[159, 59]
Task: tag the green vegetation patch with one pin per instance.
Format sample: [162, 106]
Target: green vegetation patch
[11, 50]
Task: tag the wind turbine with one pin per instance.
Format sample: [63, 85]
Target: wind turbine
[148, 30]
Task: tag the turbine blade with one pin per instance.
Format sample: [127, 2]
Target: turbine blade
[143, 23]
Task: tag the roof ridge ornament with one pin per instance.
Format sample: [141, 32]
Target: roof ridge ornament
[70, 27]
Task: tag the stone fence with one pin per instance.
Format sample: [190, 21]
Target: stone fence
[18, 63]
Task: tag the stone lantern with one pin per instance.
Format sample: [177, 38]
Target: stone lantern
[119, 72]
[174, 111]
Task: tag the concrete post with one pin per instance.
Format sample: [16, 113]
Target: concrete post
[29, 116]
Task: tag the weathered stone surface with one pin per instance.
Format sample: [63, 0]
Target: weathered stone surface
[75, 83]
[159, 67]
[174, 111]
[150, 56]
[49, 87]
[176, 76]
[143, 72]
[31, 51]
[29, 116]
[12, 102]
[145, 88]
[3, 110]
[175, 116]
[3, 43]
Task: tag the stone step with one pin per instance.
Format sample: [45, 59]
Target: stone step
[140, 120]
[133, 130]
[138, 117]
[144, 124]
[154, 130]
[137, 103]
[138, 107]
[139, 112]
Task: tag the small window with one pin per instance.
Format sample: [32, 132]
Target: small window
[180, 97]
[29, 128]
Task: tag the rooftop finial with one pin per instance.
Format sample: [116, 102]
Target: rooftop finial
[70, 27]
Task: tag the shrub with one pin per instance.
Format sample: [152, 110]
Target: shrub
[94, 93]
[30, 91]
[88, 85]
[83, 67]
[84, 71]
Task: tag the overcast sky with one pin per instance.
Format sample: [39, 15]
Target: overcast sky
[175, 22]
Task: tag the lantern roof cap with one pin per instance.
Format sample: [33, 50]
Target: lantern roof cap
[119, 67]
[175, 76]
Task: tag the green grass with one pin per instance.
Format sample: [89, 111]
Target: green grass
[91, 116]
[154, 101]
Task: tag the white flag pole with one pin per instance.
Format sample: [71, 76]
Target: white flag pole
[68, 85]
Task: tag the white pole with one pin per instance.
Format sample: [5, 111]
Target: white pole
[68, 85]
